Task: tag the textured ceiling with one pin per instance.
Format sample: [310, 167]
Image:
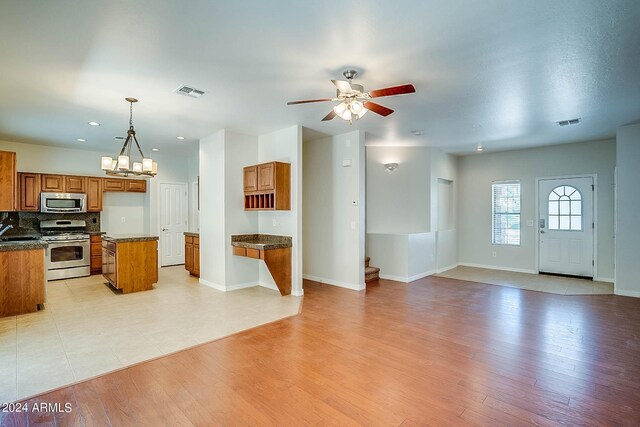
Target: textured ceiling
[497, 73]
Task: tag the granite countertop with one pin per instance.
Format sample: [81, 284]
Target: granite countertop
[191, 234]
[121, 238]
[96, 233]
[261, 242]
[22, 245]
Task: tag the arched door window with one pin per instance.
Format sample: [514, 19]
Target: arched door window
[565, 209]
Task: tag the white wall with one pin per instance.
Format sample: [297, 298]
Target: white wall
[398, 201]
[239, 151]
[212, 211]
[627, 208]
[139, 210]
[333, 228]
[193, 170]
[403, 257]
[477, 172]
[286, 146]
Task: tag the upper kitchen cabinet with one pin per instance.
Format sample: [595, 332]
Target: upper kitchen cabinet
[52, 183]
[64, 184]
[29, 191]
[136, 186]
[8, 181]
[250, 178]
[267, 186]
[75, 184]
[94, 194]
[113, 184]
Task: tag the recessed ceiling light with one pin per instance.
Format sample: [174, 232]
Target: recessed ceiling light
[155, 149]
[94, 123]
[479, 148]
[180, 137]
[417, 132]
[81, 140]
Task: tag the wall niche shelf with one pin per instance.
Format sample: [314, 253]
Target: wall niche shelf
[267, 186]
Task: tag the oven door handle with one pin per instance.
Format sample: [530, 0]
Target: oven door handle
[64, 242]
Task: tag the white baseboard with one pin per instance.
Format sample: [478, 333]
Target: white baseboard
[351, 286]
[268, 286]
[443, 269]
[405, 279]
[297, 293]
[215, 286]
[239, 286]
[622, 292]
[497, 267]
[604, 279]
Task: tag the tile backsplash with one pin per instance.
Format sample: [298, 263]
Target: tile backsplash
[31, 220]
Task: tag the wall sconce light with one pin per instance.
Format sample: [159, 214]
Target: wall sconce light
[390, 167]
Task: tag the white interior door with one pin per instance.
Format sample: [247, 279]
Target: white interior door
[566, 226]
[173, 223]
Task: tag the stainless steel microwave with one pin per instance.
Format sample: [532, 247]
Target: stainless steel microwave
[63, 202]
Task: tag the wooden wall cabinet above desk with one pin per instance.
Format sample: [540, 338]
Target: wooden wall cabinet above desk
[267, 186]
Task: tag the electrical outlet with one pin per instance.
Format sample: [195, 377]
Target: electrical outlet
[353, 225]
[494, 254]
[274, 222]
[123, 219]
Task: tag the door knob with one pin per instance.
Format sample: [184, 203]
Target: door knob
[542, 231]
[164, 229]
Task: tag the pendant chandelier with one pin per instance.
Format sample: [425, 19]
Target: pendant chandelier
[123, 165]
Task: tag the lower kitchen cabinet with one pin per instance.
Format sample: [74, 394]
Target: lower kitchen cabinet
[130, 265]
[192, 254]
[22, 281]
[96, 254]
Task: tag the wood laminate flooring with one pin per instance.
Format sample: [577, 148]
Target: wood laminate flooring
[437, 351]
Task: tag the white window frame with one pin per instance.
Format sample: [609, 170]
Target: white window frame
[493, 213]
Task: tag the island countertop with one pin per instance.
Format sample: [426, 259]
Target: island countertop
[262, 242]
[121, 238]
[22, 245]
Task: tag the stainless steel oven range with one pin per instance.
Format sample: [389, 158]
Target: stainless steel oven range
[69, 249]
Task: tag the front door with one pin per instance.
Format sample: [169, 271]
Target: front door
[566, 226]
[173, 223]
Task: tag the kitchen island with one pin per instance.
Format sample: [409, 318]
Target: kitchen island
[130, 262]
[22, 277]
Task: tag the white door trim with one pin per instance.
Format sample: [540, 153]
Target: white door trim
[595, 217]
[159, 212]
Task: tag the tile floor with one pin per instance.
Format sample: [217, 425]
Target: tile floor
[532, 282]
[87, 329]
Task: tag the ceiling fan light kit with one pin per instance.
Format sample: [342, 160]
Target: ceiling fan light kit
[122, 165]
[354, 101]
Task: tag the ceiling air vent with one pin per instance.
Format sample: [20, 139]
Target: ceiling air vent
[569, 122]
[189, 91]
[120, 138]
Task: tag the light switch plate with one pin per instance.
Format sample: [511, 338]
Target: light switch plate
[346, 163]
[530, 223]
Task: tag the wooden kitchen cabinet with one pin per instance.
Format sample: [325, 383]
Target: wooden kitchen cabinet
[8, 181]
[131, 266]
[75, 184]
[192, 255]
[113, 184]
[52, 183]
[29, 189]
[251, 178]
[267, 186]
[94, 194]
[22, 281]
[266, 176]
[135, 186]
[96, 254]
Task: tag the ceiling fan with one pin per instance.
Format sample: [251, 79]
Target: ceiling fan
[354, 101]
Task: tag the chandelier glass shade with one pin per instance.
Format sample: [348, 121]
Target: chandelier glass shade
[124, 165]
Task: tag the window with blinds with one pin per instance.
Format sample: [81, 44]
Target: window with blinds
[505, 197]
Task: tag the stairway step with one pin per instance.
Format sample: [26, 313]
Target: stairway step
[371, 270]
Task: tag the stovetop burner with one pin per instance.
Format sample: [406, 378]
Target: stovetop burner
[63, 230]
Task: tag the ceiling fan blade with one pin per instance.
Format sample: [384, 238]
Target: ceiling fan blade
[343, 86]
[329, 116]
[306, 101]
[395, 90]
[377, 108]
